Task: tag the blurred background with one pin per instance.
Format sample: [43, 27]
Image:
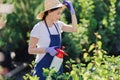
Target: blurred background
[17, 18]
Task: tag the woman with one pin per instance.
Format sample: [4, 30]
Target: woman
[46, 34]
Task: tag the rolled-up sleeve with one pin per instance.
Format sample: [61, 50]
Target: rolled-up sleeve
[61, 24]
[35, 31]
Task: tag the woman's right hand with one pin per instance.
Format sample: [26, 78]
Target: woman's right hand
[52, 50]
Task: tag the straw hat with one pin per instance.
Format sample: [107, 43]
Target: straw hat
[48, 5]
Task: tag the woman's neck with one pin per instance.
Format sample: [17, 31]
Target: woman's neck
[49, 22]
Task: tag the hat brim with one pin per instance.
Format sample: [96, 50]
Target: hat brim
[41, 14]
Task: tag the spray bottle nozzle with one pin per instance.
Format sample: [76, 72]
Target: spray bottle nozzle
[61, 52]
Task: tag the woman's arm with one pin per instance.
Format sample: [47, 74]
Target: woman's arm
[73, 27]
[32, 49]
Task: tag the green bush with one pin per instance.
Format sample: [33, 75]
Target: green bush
[97, 65]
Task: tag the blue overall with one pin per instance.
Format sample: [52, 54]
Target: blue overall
[47, 59]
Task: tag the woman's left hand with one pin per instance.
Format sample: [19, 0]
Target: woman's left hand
[69, 6]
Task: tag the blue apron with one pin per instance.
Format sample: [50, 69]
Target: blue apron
[47, 59]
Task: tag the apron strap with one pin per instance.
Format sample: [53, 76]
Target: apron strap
[48, 28]
[56, 28]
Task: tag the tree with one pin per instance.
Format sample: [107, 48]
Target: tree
[15, 35]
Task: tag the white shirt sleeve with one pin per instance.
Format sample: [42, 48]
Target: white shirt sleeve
[35, 31]
[60, 25]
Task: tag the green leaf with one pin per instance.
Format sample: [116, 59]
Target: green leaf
[74, 75]
[91, 47]
[99, 43]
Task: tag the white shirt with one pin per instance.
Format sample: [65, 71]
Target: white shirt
[40, 31]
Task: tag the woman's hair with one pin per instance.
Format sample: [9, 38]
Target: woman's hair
[46, 13]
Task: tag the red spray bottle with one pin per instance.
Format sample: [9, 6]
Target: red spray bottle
[58, 59]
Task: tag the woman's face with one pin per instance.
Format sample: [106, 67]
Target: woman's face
[55, 15]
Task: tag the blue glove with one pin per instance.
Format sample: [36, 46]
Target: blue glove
[69, 6]
[52, 50]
